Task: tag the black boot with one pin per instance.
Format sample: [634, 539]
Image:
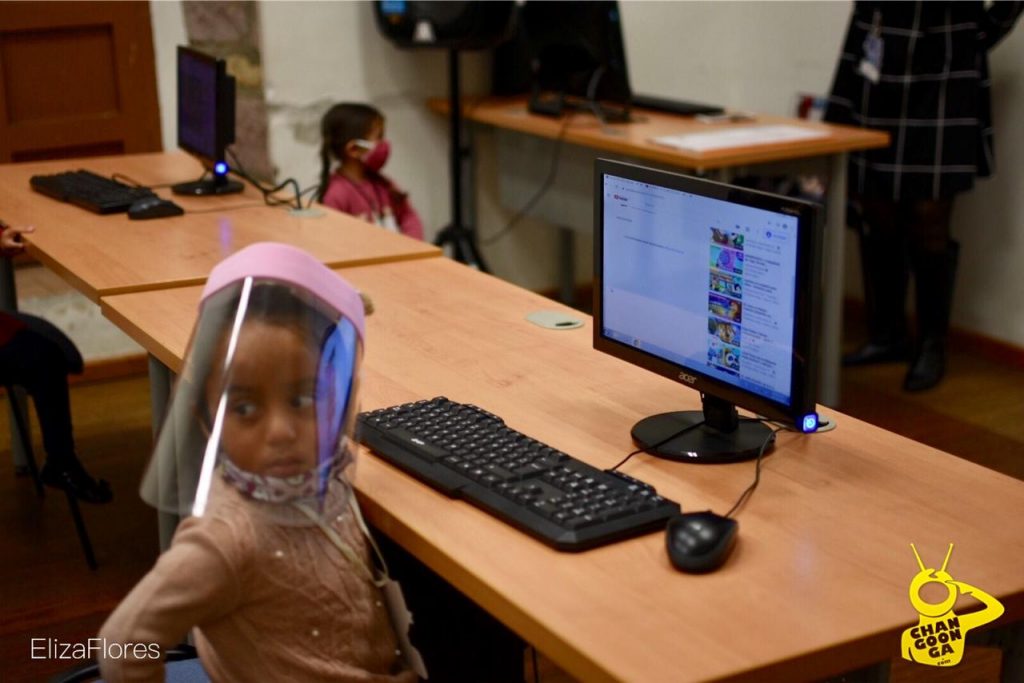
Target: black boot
[885, 272]
[69, 475]
[934, 273]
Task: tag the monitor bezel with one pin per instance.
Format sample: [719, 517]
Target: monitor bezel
[804, 371]
[224, 86]
[618, 91]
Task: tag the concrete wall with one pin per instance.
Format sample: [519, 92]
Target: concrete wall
[747, 55]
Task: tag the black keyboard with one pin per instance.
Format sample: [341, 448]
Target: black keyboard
[466, 452]
[681, 107]
[89, 191]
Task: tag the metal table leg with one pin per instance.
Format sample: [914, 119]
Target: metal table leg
[160, 381]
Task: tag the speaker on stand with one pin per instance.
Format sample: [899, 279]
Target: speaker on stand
[454, 26]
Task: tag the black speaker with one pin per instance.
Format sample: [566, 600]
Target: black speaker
[450, 25]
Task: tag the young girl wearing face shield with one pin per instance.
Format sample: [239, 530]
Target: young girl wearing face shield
[353, 138]
[272, 568]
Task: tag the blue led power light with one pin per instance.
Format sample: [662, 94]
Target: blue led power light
[809, 423]
[220, 168]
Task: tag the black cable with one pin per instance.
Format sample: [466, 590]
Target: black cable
[664, 441]
[757, 472]
[536, 671]
[270, 200]
[128, 180]
[312, 197]
[545, 186]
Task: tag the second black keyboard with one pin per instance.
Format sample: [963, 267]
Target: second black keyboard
[466, 452]
[89, 190]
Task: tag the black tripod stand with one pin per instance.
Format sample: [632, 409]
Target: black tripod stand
[461, 237]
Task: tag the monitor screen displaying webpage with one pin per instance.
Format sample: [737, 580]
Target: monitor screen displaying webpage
[701, 282]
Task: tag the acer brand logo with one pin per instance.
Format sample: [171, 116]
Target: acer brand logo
[689, 379]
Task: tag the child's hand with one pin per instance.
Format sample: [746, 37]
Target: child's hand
[11, 242]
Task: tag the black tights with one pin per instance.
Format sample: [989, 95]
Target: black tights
[36, 363]
[921, 225]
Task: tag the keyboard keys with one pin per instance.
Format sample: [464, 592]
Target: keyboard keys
[89, 190]
[468, 452]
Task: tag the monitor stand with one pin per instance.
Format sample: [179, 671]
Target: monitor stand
[723, 436]
[218, 184]
[556, 104]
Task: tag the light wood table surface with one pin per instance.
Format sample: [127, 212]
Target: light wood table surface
[818, 583]
[111, 254]
[633, 140]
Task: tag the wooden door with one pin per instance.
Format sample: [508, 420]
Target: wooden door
[76, 79]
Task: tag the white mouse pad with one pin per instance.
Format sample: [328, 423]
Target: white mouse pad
[554, 320]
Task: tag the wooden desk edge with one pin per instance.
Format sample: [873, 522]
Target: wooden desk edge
[97, 295]
[158, 351]
[506, 611]
[55, 266]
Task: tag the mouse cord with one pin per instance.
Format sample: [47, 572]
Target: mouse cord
[647, 449]
[536, 671]
[128, 180]
[745, 496]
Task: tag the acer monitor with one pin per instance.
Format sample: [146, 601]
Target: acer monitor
[206, 120]
[716, 287]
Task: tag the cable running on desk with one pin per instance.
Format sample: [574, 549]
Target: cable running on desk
[467, 452]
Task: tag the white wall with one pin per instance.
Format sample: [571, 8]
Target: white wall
[759, 55]
[316, 54]
[168, 32]
[747, 55]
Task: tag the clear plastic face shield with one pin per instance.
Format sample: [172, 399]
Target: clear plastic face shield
[264, 410]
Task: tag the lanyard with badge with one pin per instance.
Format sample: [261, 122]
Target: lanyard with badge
[871, 63]
[401, 617]
[381, 212]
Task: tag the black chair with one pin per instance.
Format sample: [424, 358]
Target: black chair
[20, 423]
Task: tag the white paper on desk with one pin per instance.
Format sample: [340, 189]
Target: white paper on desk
[740, 136]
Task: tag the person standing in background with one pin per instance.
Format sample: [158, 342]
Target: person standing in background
[919, 71]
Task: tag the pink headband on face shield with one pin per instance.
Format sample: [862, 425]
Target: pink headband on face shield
[286, 263]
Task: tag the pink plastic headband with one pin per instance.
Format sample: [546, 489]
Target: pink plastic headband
[289, 264]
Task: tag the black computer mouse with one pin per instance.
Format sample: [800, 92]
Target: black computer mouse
[153, 207]
[700, 541]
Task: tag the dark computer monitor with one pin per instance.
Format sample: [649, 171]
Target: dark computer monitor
[716, 287]
[576, 57]
[206, 119]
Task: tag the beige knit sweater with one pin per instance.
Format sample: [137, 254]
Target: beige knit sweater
[268, 603]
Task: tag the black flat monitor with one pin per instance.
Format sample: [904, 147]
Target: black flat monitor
[716, 287]
[576, 57]
[206, 120]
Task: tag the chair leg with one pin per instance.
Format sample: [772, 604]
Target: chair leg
[21, 426]
[83, 535]
[76, 513]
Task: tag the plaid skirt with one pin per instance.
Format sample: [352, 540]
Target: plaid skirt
[931, 95]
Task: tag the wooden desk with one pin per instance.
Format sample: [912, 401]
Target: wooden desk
[818, 583]
[101, 255]
[632, 140]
